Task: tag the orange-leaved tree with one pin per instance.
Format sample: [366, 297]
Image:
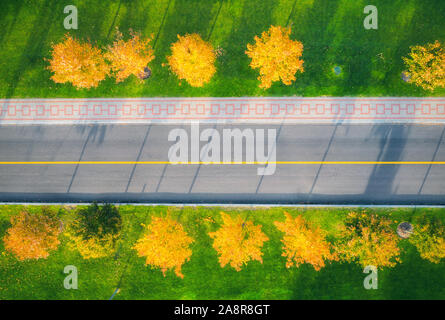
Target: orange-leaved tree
[304, 243]
[165, 245]
[193, 59]
[238, 241]
[77, 62]
[129, 57]
[429, 239]
[33, 235]
[426, 66]
[276, 56]
[368, 240]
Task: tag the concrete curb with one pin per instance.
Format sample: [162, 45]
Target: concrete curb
[224, 205]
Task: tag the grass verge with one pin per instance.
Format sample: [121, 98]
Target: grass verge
[414, 278]
[332, 32]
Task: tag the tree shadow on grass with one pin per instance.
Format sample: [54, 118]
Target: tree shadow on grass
[6, 8]
[416, 25]
[204, 260]
[311, 26]
[413, 278]
[32, 54]
[233, 64]
[4, 225]
[140, 281]
[337, 39]
[254, 281]
[334, 281]
[186, 17]
[136, 16]
[255, 18]
[371, 59]
[92, 17]
[179, 18]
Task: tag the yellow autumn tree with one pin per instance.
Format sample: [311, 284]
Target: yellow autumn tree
[95, 230]
[192, 59]
[79, 63]
[238, 241]
[33, 235]
[276, 56]
[304, 243]
[368, 240]
[429, 239]
[129, 57]
[165, 245]
[426, 66]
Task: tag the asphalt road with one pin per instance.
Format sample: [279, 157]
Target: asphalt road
[291, 183]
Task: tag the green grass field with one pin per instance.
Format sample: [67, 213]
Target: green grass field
[331, 30]
[414, 278]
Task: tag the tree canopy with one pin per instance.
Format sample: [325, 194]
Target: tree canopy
[276, 56]
[33, 235]
[192, 59]
[238, 241]
[165, 245]
[78, 63]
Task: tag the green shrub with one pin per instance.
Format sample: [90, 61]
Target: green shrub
[95, 230]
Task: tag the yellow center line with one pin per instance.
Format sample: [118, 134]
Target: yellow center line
[225, 162]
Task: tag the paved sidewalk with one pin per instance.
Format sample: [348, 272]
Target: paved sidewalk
[291, 110]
